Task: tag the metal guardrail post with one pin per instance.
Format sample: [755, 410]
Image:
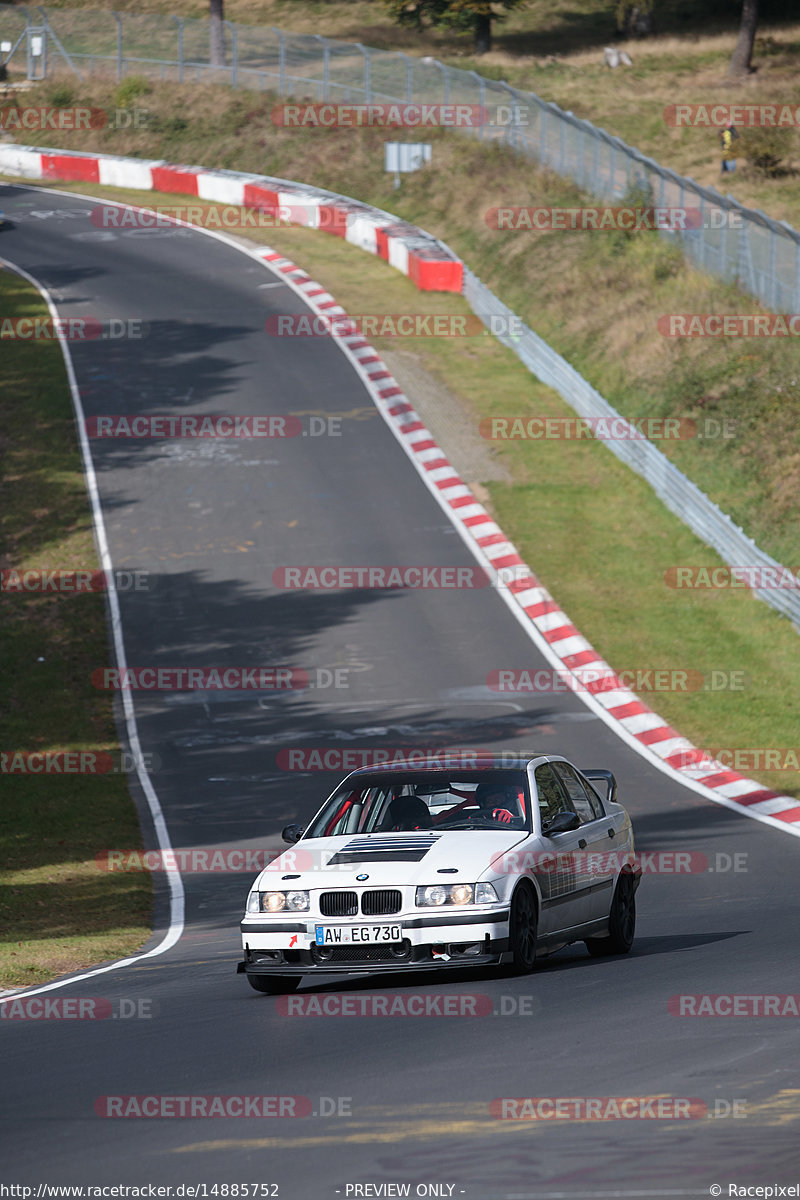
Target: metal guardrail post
[774, 298]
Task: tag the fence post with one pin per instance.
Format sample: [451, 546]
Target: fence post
[179, 22]
[326, 54]
[367, 76]
[508, 136]
[118, 19]
[281, 61]
[482, 94]
[234, 32]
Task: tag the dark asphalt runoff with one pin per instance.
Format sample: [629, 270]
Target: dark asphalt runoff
[398, 1106]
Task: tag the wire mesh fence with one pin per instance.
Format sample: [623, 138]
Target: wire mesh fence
[737, 244]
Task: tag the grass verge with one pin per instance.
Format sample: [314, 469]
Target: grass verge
[58, 911]
[594, 533]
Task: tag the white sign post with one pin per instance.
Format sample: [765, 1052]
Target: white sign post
[405, 157]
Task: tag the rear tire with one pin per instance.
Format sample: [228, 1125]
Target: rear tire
[274, 985]
[621, 921]
[523, 925]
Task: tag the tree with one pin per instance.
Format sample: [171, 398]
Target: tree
[743, 51]
[468, 15]
[216, 33]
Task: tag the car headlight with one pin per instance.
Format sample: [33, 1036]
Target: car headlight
[438, 894]
[275, 902]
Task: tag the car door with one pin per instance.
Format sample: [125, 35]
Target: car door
[600, 860]
[561, 868]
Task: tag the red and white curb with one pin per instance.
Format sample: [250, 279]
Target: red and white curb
[548, 626]
[412, 251]
[432, 267]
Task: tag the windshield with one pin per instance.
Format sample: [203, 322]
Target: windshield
[401, 803]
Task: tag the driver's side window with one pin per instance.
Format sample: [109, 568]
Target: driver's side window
[552, 798]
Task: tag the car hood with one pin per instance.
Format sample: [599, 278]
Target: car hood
[389, 859]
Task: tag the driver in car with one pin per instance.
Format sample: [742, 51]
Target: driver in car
[495, 802]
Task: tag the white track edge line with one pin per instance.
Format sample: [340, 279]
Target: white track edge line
[176, 892]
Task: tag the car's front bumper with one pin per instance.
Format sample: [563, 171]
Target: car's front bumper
[429, 941]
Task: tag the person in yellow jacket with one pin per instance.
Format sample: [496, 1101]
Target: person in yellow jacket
[726, 138]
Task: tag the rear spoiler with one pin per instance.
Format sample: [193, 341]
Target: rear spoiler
[604, 782]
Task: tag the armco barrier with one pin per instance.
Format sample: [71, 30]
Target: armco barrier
[559, 641]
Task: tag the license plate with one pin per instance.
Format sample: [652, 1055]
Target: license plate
[348, 935]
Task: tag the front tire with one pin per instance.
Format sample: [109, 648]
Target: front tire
[621, 920]
[274, 985]
[523, 926]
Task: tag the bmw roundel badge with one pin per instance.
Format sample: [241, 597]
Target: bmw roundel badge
[361, 878]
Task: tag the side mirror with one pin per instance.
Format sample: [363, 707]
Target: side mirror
[292, 833]
[562, 822]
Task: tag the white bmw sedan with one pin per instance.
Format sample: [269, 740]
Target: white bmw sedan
[415, 866]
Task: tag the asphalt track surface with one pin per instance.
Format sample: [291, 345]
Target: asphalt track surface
[211, 522]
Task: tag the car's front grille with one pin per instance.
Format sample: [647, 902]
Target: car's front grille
[398, 952]
[338, 904]
[380, 903]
